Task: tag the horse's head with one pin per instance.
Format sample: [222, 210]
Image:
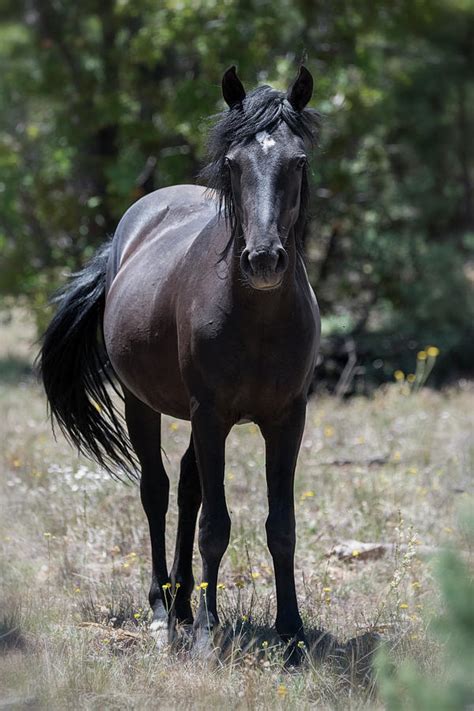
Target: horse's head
[267, 173]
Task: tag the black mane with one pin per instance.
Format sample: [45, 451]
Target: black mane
[263, 109]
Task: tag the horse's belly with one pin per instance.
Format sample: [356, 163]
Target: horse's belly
[143, 352]
[152, 377]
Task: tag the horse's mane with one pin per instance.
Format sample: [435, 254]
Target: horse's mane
[263, 109]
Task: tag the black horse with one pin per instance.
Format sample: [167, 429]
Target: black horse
[200, 308]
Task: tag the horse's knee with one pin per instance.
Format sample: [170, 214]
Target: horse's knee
[281, 538]
[154, 490]
[214, 535]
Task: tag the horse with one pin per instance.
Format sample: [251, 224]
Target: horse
[200, 308]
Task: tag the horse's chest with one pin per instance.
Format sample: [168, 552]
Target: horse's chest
[254, 370]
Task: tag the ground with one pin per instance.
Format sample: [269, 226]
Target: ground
[74, 555]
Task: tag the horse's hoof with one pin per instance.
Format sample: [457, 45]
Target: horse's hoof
[203, 644]
[159, 632]
[295, 655]
[180, 636]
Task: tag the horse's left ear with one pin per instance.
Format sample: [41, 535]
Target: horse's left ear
[232, 88]
[301, 90]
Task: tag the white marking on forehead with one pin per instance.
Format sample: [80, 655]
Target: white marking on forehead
[265, 140]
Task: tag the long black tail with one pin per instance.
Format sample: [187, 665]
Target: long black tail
[75, 371]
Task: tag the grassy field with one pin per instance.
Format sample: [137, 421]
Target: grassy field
[74, 556]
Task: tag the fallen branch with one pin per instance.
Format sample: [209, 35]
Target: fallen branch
[357, 550]
[374, 462]
[116, 632]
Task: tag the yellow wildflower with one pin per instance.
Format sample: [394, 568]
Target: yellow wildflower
[399, 376]
[282, 690]
[432, 352]
[255, 575]
[329, 431]
[327, 589]
[307, 494]
[174, 426]
[403, 606]
[244, 618]
[220, 586]
[411, 377]
[166, 586]
[203, 586]
[137, 615]
[355, 553]
[421, 355]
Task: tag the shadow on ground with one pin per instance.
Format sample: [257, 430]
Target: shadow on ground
[236, 642]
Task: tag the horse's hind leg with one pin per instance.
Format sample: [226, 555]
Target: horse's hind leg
[189, 501]
[144, 427]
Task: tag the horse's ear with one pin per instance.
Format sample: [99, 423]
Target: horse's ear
[232, 88]
[301, 90]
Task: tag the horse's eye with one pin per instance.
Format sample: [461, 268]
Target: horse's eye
[301, 162]
[227, 162]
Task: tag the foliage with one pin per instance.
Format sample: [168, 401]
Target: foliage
[406, 687]
[103, 102]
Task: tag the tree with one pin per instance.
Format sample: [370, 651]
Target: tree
[102, 102]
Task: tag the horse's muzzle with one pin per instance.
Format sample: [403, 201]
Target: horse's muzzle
[264, 268]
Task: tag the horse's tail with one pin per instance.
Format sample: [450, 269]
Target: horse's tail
[75, 371]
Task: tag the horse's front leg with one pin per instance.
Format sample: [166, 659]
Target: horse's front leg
[209, 434]
[283, 439]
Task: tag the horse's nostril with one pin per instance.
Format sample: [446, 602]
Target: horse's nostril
[245, 262]
[282, 261]
[264, 261]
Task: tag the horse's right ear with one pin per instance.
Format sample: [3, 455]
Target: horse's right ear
[232, 88]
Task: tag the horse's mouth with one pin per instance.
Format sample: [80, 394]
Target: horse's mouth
[264, 283]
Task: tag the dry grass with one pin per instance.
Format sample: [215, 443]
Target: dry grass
[74, 555]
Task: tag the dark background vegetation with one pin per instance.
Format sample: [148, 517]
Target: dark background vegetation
[104, 101]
